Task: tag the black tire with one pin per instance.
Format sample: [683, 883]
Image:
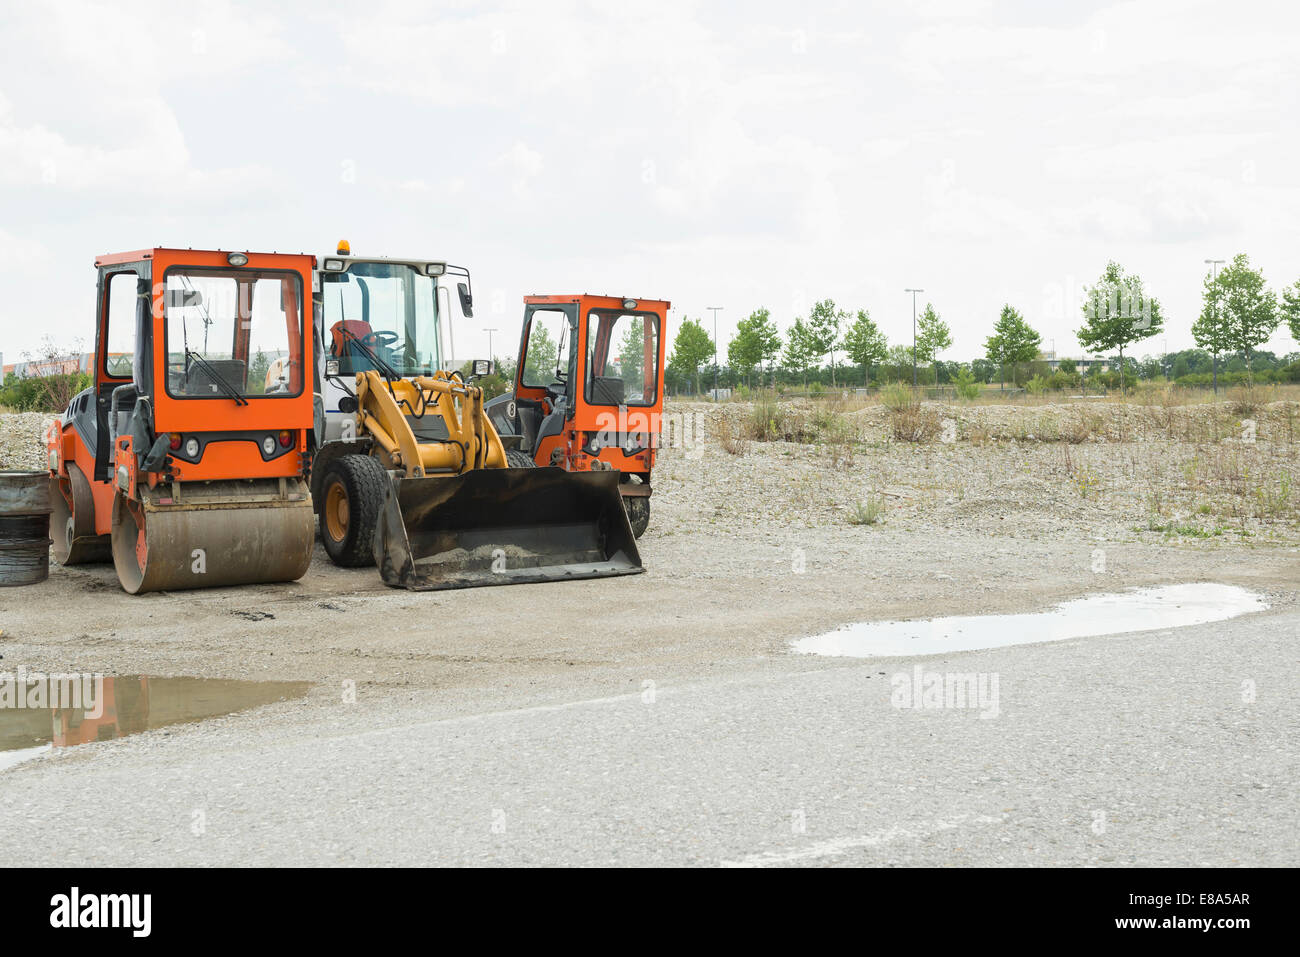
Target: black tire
[359, 483]
[638, 513]
[518, 459]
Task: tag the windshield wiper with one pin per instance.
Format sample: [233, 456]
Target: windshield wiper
[388, 371]
[225, 386]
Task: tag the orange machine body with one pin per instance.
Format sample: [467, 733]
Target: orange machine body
[230, 434]
[599, 432]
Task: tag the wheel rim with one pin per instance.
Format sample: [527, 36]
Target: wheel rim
[130, 545]
[61, 514]
[337, 512]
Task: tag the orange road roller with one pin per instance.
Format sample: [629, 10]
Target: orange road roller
[186, 462]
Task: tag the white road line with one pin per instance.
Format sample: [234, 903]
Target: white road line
[839, 845]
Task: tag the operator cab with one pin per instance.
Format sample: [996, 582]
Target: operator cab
[379, 314]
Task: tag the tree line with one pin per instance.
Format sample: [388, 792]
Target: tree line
[1239, 313]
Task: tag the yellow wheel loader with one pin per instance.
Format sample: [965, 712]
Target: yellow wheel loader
[409, 472]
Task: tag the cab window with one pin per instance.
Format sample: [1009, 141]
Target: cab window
[548, 348]
[233, 332]
[622, 358]
[119, 352]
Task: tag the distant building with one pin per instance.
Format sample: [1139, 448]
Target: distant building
[64, 366]
[1088, 364]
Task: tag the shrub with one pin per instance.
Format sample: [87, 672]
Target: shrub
[762, 425]
[868, 512]
[898, 397]
[771, 422]
[727, 436]
[967, 388]
[50, 393]
[915, 424]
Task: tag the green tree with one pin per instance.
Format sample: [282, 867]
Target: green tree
[824, 331]
[631, 357]
[1249, 308]
[898, 363]
[1118, 312]
[769, 340]
[1210, 330]
[257, 371]
[800, 349]
[865, 344]
[1013, 341]
[983, 369]
[967, 387]
[690, 350]
[542, 355]
[1291, 307]
[752, 343]
[932, 337]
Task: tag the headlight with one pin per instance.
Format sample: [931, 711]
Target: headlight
[268, 445]
[192, 447]
[237, 259]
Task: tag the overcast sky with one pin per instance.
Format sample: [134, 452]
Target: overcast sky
[739, 155]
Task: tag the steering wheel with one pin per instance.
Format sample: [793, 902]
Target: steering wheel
[383, 337]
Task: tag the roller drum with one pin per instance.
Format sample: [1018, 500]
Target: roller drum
[217, 533]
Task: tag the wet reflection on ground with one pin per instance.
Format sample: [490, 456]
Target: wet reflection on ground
[40, 711]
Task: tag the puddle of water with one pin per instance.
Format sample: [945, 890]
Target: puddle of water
[1146, 609]
[38, 712]
[10, 758]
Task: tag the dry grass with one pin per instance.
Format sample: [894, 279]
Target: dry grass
[728, 436]
[915, 424]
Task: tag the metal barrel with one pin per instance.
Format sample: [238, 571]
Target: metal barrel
[24, 527]
[215, 534]
[502, 527]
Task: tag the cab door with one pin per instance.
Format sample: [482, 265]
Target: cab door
[544, 380]
[122, 345]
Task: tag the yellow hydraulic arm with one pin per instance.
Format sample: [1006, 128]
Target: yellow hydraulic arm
[383, 408]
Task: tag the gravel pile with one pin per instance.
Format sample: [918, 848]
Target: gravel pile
[22, 439]
[994, 470]
[1198, 474]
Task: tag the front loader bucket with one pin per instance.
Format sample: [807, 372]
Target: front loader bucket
[503, 527]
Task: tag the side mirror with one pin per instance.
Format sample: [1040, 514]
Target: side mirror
[481, 367]
[466, 300]
[179, 298]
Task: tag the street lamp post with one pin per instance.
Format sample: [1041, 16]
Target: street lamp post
[715, 310]
[913, 292]
[491, 356]
[1214, 265]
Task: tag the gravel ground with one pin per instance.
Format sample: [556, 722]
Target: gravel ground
[744, 553]
[22, 439]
